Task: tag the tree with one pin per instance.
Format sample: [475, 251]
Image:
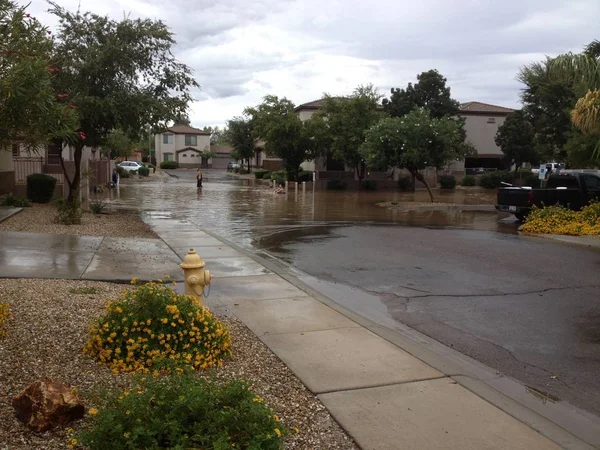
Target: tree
[119, 75]
[31, 111]
[429, 92]
[582, 72]
[580, 150]
[285, 135]
[414, 142]
[515, 137]
[241, 138]
[218, 136]
[118, 145]
[346, 121]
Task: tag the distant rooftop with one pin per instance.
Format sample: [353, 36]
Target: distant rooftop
[186, 129]
[317, 104]
[484, 108]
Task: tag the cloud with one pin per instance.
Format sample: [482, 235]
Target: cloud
[241, 51]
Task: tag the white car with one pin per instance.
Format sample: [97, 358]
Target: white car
[130, 166]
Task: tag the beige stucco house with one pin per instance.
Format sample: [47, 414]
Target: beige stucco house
[482, 121]
[184, 144]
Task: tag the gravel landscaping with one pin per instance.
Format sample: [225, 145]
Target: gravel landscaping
[40, 219]
[49, 327]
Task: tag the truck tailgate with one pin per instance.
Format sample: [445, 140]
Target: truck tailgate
[514, 196]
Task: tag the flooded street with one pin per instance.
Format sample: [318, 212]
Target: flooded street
[462, 275]
[246, 211]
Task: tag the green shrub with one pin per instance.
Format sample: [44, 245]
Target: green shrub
[468, 180]
[369, 185]
[183, 412]
[96, 206]
[143, 171]
[304, 175]
[260, 174]
[150, 166]
[336, 185]
[404, 183]
[267, 175]
[280, 174]
[40, 187]
[493, 180]
[69, 213]
[236, 170]
[152, 324]
[122, 172]
[168, 165]
[18, 202]
[447, 182]
[530, 179]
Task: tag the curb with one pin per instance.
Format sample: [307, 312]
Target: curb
[16, 211]
[583, 241]
[564, 424]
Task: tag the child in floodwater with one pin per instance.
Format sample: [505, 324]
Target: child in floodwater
[280, 189]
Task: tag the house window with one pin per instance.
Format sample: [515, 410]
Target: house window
[491, 120]
[185, 155]
[15, 149]
[191, 140]
[167, 138]
[168, 157]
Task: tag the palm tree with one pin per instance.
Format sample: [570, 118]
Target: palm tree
[582, 71]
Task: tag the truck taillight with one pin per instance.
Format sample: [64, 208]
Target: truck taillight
[530, 198]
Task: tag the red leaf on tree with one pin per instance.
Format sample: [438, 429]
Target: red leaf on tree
[82, 135]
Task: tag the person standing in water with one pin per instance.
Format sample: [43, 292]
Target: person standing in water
[199, 178]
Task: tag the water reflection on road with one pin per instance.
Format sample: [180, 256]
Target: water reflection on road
[247, 211]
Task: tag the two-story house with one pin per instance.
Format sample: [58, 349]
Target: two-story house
[184, 144]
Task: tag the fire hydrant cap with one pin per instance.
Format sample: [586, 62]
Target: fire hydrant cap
[192, 261]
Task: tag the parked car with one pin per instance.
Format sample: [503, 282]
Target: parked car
[130, 166]
[572, 190]
[233, 165]
[550, 166]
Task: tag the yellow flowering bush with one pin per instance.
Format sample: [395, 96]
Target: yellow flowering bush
[4, 316]
[560, 220]
[183, 412]
[152, 327]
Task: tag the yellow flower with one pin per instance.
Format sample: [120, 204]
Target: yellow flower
[73, 441]
[93, 411]
[277, 432]
[134, 280]
[297, 430]
[276, 418]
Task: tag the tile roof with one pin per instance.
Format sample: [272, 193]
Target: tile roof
[478, 107]
[317, 104]
[221, 148]
[186, 129]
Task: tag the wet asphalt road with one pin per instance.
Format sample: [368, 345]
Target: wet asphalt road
[528, 307]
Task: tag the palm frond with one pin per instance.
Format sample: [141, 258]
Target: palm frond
[586, 114]
[576, 69]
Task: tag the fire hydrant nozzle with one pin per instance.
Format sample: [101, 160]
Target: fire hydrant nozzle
[196, 277]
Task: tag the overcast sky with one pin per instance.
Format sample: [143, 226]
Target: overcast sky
[241, 50]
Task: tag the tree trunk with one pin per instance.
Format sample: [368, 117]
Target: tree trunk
[416, 174]
[74, 185]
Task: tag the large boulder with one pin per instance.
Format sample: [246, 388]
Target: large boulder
[46, 404]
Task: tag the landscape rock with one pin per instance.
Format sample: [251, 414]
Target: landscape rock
[46, 404]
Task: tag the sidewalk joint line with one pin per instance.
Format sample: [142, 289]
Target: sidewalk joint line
[91, 259]
[395, 383]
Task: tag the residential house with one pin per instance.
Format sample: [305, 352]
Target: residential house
[184, 144]
[222, 156]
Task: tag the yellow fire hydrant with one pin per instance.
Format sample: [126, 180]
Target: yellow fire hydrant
[195, 276]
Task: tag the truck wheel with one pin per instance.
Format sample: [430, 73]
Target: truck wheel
[520, 217]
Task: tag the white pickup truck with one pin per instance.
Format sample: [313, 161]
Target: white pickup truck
[553, 166]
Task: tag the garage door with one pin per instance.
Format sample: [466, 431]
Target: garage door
[220, 162]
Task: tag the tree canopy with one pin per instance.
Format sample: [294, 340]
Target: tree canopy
[31, 110]
[346, 121]
[241, 138]
[118, 145]
[429, 92]
[515, 137]
[285, 135]
[118, 75]
[414, 141]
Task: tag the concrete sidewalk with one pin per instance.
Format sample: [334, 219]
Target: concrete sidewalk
[381, 394]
